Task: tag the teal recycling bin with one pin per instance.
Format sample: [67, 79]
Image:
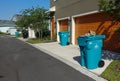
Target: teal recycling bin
[91, 51]
[16, 34]
[64, 38]
[82, 44]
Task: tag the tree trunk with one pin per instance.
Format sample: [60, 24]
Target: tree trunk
[41, 34]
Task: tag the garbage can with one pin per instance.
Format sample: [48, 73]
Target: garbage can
[82, 44]
[64, 38]
[91, 47]
[25, 34]
[16, 34]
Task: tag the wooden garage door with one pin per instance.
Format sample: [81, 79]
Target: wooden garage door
[52, 28]
[101, 23]
[63, 25]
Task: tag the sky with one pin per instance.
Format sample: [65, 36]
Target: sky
[10, 7]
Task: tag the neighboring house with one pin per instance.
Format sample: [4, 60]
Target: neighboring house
[4, 29]
[11, 30]
[5, 25]
[16, 17]
[80, 16]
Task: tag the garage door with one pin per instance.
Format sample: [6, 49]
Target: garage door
[84, 24]
[63, 24]
[101, 23]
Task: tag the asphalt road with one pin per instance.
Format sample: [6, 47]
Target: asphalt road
[21, 62]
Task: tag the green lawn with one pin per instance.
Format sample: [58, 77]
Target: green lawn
[2, 33]
[112, 72]
[44, 40]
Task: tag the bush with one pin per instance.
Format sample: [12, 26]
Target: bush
[45, 33]
[25, 33]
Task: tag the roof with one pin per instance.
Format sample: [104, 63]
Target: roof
[7, 23]
[16, 17]
[52, 9]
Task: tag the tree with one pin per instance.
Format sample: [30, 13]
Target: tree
[35, 18]
[22, 23]
[112, 7]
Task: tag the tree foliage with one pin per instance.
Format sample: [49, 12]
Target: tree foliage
[112, 7]
[35, 18]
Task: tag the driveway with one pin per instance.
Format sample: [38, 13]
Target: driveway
[22, 62]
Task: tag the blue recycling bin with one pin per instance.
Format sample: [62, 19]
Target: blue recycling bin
[16, 34]
[91, 51]
[64, 38]
[82, 44]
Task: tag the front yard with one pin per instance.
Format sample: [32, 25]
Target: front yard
[112, 72]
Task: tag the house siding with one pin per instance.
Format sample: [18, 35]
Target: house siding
[65, 8]
[83, 16]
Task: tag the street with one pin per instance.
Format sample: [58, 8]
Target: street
[20, 61]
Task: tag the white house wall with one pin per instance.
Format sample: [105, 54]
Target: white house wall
[73, 31]
[12, 31]
[4, 29]
[31, 33]
[58, 30]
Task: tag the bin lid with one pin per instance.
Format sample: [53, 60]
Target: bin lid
[63, 32]
[82, 40]
[96, 37]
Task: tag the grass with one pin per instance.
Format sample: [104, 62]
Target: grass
[2, 33]
[36, 40]
[20, 35]
[112, 73]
